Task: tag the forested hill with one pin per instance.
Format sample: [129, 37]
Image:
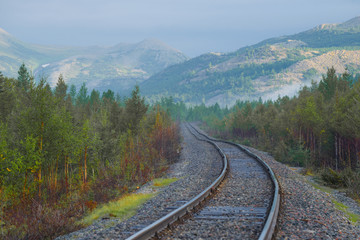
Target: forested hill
[62, 154]
[267, 69]
[117, 67]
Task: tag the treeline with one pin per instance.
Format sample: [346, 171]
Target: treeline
[323, 121]
[322, 124]
[62, 152]
[318, 129]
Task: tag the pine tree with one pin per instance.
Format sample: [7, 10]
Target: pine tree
[61, 88]
[109, 95]
[82, 96]
[135, 109]
[2, 83]
[73, 93]
[24, 78]
[3, 98]
[95, 100]
[7, 99]
[327, 85]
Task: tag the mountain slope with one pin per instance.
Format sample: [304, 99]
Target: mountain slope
[119, 67]
[326, 35]
[14, 52]
[267, 69]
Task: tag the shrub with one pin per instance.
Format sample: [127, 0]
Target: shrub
[351, 180]
[332, 178]
[299, 156]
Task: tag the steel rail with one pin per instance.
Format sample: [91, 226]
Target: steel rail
[269, 227]
[159, 225]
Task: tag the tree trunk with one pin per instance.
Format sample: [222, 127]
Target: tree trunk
[85, 165]
[307, 138]
[349, 156]
[341, 152]
[319, 149]
[39, 179]
[40, 148]
[24, 188]
[66, 176]
[55, 174]
[336, 152]
[356, 153]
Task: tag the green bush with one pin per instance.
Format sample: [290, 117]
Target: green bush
[351, 180]
[332, 178]
[299, 156]
[295, 156]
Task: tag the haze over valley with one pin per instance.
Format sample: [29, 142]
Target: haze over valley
[117, 117]
[274, 67]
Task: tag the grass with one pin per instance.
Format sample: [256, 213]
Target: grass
[124, 208]
[353, 217]
[339, 205]
[319, 187]
[309, 172]
[163, 182]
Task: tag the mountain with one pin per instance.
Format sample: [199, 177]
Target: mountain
[118, 67]
[326, 35]
[273, 67]
[14, 52]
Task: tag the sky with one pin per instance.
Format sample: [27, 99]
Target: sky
[191, 26]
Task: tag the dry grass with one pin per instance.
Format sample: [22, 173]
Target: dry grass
[124, 208]
[162, 182]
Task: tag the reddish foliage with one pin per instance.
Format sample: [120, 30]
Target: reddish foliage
[91, 205]
[33, 220]
[147, 155]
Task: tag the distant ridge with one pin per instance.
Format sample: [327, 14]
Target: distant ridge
[117, 67]
[273, 67]
[352, 23]
[2, 31]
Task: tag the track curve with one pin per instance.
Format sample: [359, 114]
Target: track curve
[246, 205]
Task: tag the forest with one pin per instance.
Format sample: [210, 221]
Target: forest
[63, 152]
[319, 129]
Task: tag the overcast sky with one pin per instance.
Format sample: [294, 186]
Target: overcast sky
[192, 26]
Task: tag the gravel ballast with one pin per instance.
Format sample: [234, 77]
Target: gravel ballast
[306, 212]
[198, 166]
[239, 208]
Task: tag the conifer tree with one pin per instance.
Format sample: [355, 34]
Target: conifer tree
[82, 96]
[6, 99]
[72, 93]
[2, 83]
[135, 109]
[24, 78]
[61, 88]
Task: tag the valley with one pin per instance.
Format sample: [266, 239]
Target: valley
[274, 67]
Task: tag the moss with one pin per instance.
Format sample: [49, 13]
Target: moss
[319, 187]
[162, 182]
[123, 208]
[353, 217]
[309, 172]
[339, 205]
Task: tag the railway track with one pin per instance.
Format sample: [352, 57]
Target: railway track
[244, 207]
